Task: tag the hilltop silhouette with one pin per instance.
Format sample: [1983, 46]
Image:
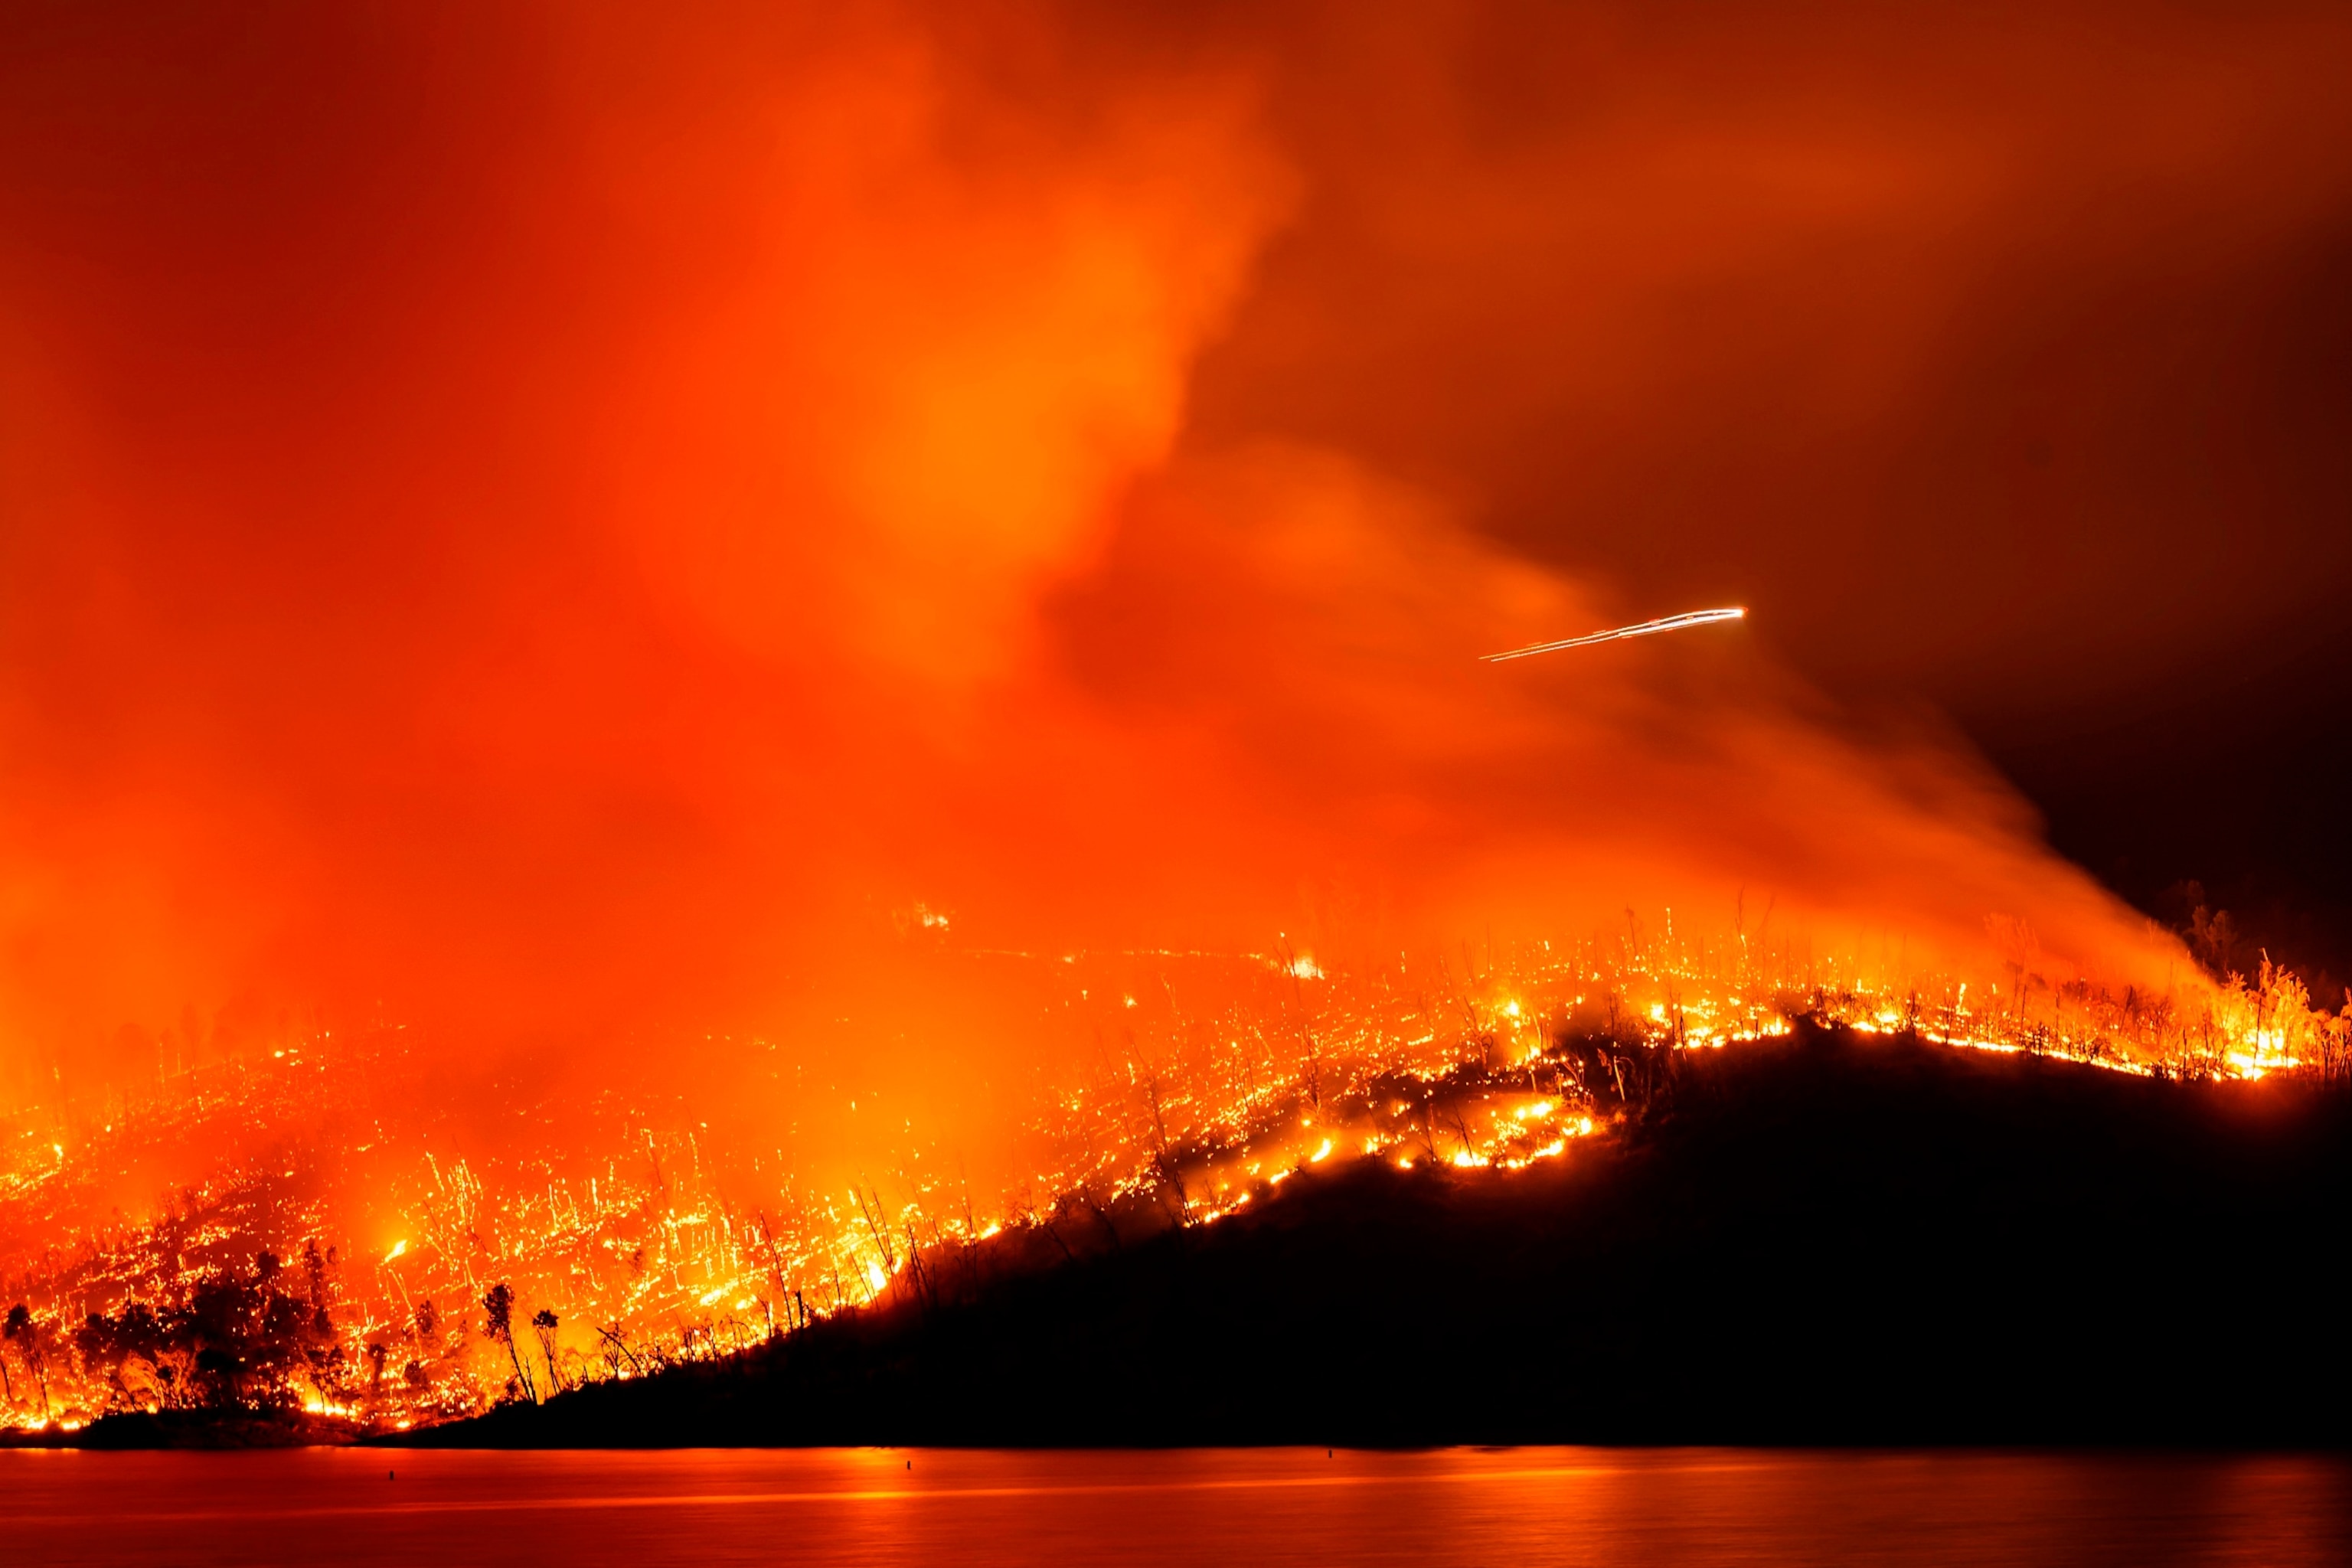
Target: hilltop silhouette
[1824, 1239]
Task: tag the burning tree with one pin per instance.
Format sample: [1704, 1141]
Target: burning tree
[498, 1303]
[29, 1337]
[238, 1340]
[542, 1326]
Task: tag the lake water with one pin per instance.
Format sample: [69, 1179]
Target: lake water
[1229, 1508]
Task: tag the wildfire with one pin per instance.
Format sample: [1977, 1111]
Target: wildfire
[513, 1278]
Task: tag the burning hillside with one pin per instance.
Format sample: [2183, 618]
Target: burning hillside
[1825, 1237]
[609, 1238]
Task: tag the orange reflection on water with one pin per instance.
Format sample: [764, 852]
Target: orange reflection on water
[888, 1506]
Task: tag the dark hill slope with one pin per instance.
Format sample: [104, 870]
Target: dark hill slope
[1824, 1240]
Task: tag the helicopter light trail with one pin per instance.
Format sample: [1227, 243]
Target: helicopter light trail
[1646, 628]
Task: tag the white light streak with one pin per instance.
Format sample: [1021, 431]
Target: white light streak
[1647, 629]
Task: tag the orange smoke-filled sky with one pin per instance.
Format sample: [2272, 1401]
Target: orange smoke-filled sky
[558, 521]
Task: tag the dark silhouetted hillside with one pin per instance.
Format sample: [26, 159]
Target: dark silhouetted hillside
[1820, 1241]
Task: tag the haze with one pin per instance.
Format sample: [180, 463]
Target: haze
[580, 532]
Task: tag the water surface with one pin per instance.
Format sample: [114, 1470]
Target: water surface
[1225, 1507]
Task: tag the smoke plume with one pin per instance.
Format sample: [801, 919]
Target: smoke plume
[582, 533]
